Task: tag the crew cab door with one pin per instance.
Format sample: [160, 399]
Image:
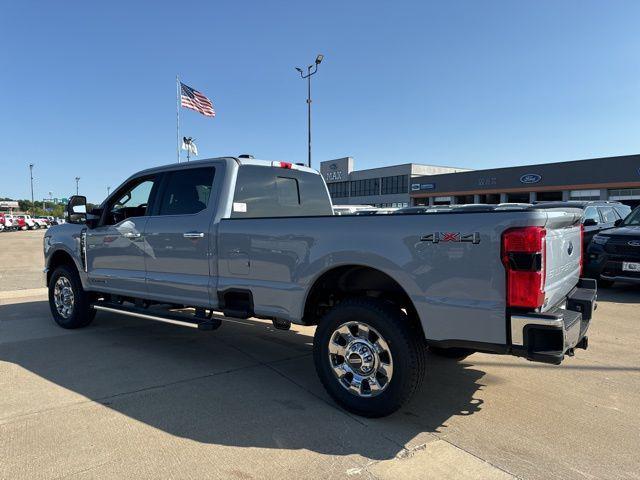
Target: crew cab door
[180, 242]
[116, 247]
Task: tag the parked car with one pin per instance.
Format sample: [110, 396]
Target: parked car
[41, 221]
[20, 223]
[614, 254]
[598, 215]
[253, 238]
[422, 209]
[349, 209]
[30, 223]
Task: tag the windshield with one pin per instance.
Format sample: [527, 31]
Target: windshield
[633, 218]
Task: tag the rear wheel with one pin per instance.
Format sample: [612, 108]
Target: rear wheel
[70, 305]
[368, 356]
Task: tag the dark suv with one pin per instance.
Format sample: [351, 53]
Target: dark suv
[598, 215]
[614, 255]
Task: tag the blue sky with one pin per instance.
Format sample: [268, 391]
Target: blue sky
[88, 88]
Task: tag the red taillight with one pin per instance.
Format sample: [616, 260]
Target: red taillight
[523, 256]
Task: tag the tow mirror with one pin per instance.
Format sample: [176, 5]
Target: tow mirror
[77, 209]
[589, 222]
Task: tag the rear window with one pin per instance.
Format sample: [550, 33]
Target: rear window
[277, 192]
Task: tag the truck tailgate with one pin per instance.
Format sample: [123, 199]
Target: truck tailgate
[563, 256]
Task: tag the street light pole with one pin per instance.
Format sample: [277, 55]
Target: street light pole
[77, 188]
[311, 70]
[31, 175]
[108, 190]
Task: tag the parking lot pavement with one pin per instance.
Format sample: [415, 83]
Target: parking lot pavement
[127, 397]
[21, 260]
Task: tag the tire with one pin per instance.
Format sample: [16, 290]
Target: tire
[452, 353]
[81, 314]
[401, 353]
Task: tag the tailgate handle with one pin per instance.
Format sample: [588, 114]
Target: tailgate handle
[193, 235]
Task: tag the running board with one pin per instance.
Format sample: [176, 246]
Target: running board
[205, 324]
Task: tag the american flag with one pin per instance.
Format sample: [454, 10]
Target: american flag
[193, 99]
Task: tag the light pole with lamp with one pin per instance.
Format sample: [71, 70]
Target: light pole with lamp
[311, 70]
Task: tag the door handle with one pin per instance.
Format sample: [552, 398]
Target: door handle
[193, 235]
[131, 235]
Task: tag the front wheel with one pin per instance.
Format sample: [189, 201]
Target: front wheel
[368, 356]
[70, 305]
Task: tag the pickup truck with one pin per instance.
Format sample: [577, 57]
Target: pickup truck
[251, 238]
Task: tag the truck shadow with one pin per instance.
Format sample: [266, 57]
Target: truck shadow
[620, 293]
[245, 385]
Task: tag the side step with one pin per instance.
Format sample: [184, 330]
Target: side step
[176, 319]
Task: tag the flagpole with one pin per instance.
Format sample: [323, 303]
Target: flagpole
[178, 118]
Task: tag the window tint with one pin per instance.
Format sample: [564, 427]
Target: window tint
[274, 192]
[608, 215]
[591, 213]
[132, 201]
[186, 191]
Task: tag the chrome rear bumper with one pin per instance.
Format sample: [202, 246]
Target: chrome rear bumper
[548, 337]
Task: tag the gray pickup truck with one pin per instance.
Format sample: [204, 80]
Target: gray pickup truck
[250, 238]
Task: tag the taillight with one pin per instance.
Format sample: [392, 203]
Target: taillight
[523, 256]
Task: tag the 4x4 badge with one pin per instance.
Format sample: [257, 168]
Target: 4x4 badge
[438, 237]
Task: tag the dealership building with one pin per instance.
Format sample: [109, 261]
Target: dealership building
[380, 187]
[610, 178]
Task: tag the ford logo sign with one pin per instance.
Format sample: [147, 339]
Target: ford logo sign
[634, 243]
[570, 249]
[333, 166]
[530, 178]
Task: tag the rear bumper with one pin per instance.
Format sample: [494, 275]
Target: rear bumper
[548, 337]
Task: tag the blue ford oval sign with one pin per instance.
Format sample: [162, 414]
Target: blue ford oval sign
[530, 178]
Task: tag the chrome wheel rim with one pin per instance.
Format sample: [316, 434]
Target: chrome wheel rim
[360, 359]
[63, 297]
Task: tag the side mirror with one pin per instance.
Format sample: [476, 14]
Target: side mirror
[618, 222]
[76, 211]
[589, 222]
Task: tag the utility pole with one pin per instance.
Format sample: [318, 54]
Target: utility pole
[31, 175]
[108, 190]
[311, 70]
[77, 188]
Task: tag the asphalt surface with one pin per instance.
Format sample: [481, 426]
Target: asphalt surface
[127, 398]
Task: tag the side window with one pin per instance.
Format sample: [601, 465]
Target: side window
[186, 191]
[608, 215]
[132, 201]
[591, 213]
